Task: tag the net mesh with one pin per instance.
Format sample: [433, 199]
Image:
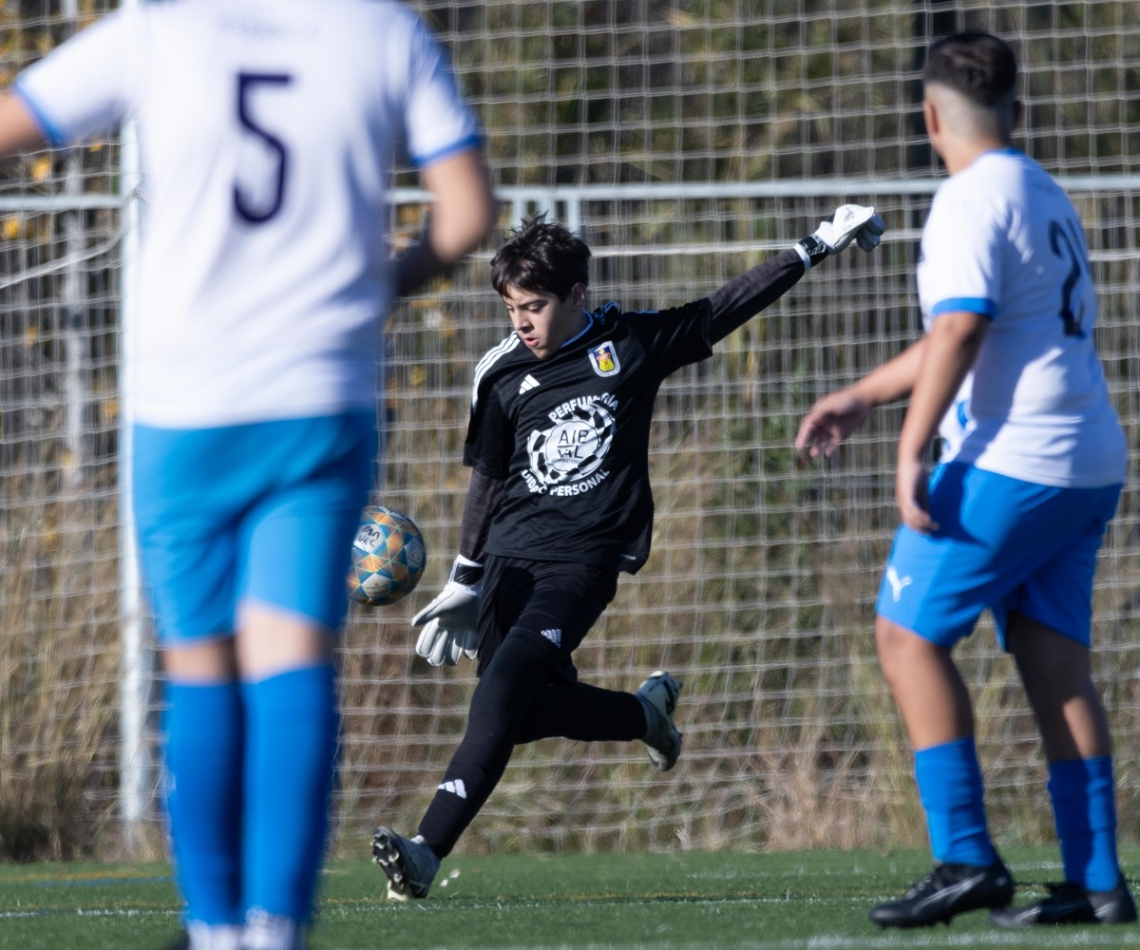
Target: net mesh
[637, 123]
[59, 308]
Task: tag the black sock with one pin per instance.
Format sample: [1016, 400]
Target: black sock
[519, 670]
[583, 712]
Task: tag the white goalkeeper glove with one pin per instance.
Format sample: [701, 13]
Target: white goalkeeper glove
[451, 621]
[848, 223]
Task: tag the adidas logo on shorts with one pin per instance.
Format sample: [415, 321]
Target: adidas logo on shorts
[456, 788]
[554, 636]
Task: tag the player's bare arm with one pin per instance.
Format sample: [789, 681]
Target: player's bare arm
[19, 130]
[951, 348]
[834, 417]
[462, 215]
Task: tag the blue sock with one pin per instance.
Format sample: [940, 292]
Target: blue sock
[1084, 810]
[950, 786]
[291, 734]
[204, 736]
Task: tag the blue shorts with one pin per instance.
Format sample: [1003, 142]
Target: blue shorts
[1001, 543]
[264, 512]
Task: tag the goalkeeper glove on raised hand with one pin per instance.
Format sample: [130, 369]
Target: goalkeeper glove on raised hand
[848, 223]
[451, 621]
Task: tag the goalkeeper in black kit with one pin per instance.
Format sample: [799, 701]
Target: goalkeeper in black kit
[559, 505]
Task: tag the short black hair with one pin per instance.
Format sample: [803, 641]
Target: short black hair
[979, 66]
[542, 257]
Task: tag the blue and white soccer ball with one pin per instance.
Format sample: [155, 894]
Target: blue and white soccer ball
[388, 557]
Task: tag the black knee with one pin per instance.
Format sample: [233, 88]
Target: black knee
[520, 669]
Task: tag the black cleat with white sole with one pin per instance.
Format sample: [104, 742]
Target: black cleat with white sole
[659, 695]
[1071, 904]
[948, 890]
[410, 864]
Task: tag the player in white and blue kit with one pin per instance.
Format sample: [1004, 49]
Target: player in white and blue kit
[268, 130]
[1011, 520]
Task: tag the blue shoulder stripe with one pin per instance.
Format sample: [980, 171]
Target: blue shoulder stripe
[50, 129]
[471, 141]
[591, 319]
[982, 305]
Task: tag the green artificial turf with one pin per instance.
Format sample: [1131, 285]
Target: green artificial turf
[813, 900]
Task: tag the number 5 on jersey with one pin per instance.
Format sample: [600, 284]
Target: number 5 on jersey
[248, 208]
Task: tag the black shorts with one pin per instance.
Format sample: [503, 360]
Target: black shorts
[556, 601]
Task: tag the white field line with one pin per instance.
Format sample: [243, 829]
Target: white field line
[91, 912]
[1109, 937]
[838, 942]
[1064, 938]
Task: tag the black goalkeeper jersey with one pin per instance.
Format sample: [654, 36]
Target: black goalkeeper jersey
[569, 435]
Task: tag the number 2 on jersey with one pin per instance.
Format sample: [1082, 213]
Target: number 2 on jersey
[1060, 239]
[243, 205]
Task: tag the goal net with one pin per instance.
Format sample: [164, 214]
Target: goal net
[60, 650]
[685, 141]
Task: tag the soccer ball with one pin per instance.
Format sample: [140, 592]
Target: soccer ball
[388, 557]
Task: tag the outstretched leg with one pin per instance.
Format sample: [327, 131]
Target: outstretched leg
[515, 702]
[584, 713]
[534, 615]
[518, 675]
[590, 714]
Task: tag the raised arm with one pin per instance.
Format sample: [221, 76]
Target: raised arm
[745, 296]
[462, 214]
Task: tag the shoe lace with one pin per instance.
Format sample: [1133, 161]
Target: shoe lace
[1066, 891]
[938, 877]
[925, 885]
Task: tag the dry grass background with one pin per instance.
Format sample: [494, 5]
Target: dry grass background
[760, 589]
[59, 659]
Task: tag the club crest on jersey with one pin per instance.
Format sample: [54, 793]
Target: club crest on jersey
[604, 359]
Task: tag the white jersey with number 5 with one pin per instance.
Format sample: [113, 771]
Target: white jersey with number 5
[267, 130]
[1004, 240]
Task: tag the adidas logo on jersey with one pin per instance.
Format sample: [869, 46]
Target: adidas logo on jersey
[456, 788]
[528, 384]
[554, 636]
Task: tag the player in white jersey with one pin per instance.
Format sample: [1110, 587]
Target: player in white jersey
[268, 130]
[1012, 518]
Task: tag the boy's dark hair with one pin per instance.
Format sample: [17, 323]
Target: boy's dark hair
[977, 65]
[541, 257]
